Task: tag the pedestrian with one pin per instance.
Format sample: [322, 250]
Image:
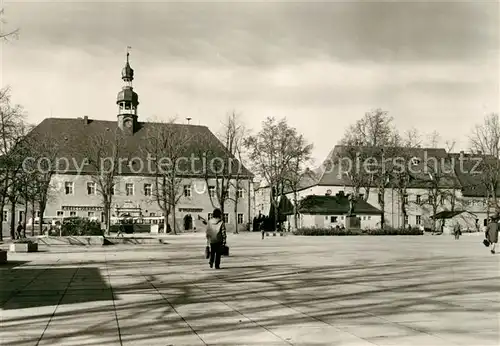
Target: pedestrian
[456, 230]
[262, 226]
[19, 230]
[492, 232]
[216, 238]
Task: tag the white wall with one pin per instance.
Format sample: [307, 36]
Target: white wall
[326, 221]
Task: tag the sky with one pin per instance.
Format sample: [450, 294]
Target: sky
[433, 66]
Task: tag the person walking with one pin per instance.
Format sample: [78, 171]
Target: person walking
[216, 238]
[492, 232]
[457, 230]
[19, 230]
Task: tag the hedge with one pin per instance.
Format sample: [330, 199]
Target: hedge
[81, 227]
[346, 232]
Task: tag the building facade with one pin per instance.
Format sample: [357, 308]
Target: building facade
[75, 192]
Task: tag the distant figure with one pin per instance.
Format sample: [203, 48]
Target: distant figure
[216, 238]
[492, 232]
[457, 232]
[19, 230]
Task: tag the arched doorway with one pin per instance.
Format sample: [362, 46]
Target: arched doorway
[188, 222]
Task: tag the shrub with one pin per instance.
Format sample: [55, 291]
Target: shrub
[346, 232]
[81, 227]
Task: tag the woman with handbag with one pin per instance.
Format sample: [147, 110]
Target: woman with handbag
[492, 233]
[216, 238]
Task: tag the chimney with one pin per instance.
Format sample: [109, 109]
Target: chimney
[86, 120]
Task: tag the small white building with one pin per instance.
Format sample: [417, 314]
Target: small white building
[447, 219]
[331, 211]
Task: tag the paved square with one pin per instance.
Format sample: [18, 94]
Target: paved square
[278, 291]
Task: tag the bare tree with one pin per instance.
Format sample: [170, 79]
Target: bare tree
[440, 183]
[12, 132]
[297, 171]
[103, 155]
[485, 142]
[272, 151]
[8, 34]
[362, 142]
[167, 146]
[232, 137]
[401, 176]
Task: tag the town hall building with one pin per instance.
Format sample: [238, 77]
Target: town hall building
[75, 192]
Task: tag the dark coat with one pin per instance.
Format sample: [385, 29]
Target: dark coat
[492, 232]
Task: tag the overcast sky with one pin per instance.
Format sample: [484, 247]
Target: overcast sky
[433, 66]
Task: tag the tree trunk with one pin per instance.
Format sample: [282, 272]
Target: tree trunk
[382, 215]
[33, 215]
[107, 217]
[174, 223]
[236, 215]
[295, 207]
[42, 211]
[13, 221]
[2, 206]
[165, 221]
[25, 217]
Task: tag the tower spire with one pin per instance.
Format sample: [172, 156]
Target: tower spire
[127, 99]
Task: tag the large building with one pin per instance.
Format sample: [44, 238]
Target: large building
[76, 193]
[460, 187]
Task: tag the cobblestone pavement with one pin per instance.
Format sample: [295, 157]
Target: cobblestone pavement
[278, 291]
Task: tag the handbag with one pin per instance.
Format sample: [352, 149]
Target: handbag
[225, 250]
[207, 252]
[486, 242]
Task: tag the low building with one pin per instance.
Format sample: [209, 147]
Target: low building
[447, 219]
[331, 211]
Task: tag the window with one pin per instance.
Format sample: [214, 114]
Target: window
[38, 213]
[90, 214]
[419, 199]
[147, 189]
[240, 192]
[112, 190]
[152, 214]
[5, 215]
[72, 213]
[418, 219]
[90, 188]
[240, 219]
[369, 217]
[333, 219]
[68, 187]
[209, 216]
[60, 213]
[405, 198]
[226, 218]
[406, 219]
[364, 218]
[211, 191]
[187, 190]
[129, 189]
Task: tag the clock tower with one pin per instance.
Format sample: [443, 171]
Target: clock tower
[127, 101]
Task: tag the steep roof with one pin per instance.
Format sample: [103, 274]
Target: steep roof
[470, 172]
[314, 204]
[333, 174]
[73, 136]
[448, 214]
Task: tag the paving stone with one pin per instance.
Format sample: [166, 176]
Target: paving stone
[280, 291]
